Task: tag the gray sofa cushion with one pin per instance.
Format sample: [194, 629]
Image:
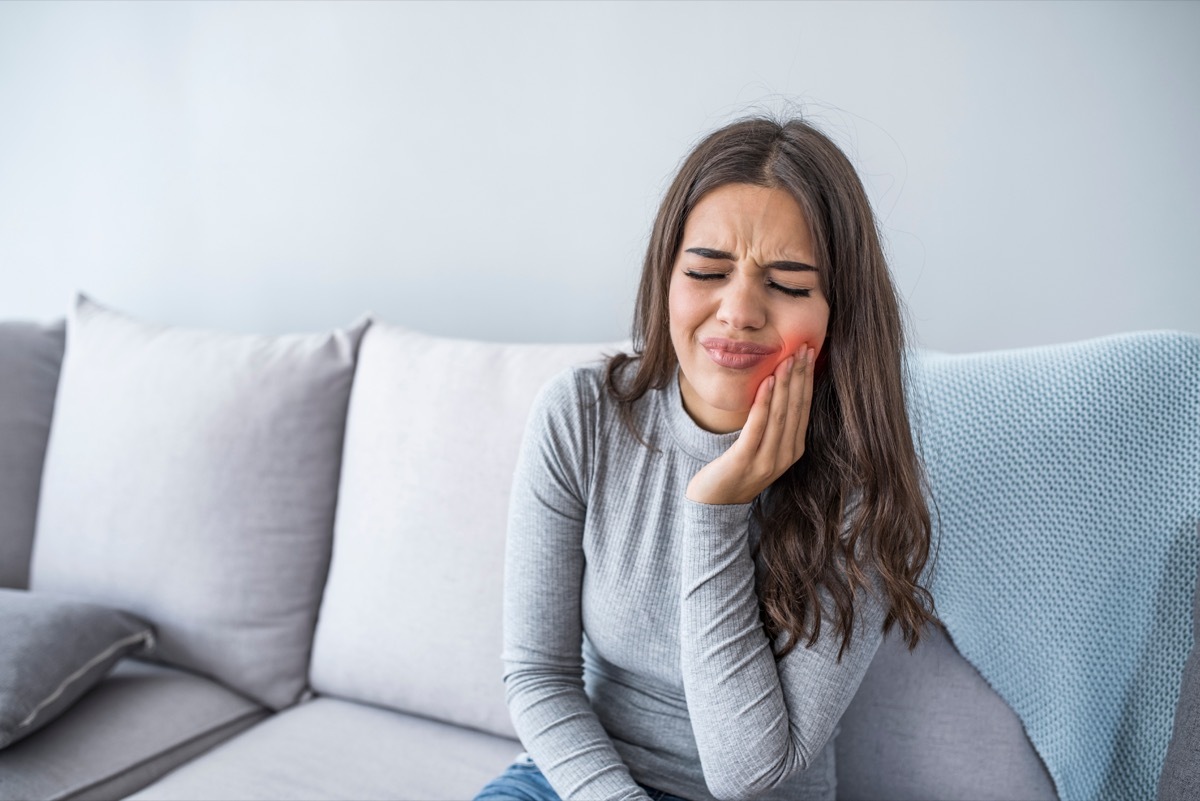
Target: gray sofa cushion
[133, 727]
[411, 617]
[926, 726]
[1180, 776]
[52, 651]
[333, 749]
[30, 357]
[191, 479]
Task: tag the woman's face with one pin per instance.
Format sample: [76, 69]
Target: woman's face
[744, 295]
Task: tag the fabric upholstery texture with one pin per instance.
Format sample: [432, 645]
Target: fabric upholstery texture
[134, 726]
[411, 617]
[925, 726]
[680, 689]
[191, 478]
[1067, 491]
[30, 357]
[1180, 777]
[52, 651]
[332, 749]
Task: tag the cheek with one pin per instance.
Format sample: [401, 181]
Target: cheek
[811, 334]
[682, 311]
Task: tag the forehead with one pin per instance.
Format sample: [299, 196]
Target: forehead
[745, 216]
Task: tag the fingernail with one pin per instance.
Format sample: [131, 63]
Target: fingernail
[770, 383]
[791, 361]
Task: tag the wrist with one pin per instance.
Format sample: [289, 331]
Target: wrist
[698, 492]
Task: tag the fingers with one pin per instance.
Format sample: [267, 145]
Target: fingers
[803, 404]
[756, 421]
[770, 442]
[796, 377]
[784, 436]
[776, 440]
[774, 435]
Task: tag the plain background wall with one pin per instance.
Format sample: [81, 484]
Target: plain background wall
[491, 170]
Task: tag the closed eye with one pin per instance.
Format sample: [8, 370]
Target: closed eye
[795, 292]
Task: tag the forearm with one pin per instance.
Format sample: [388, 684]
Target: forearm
[543, 629]
[558, 728]
[758, 720]
[544, 675]
[735, 699]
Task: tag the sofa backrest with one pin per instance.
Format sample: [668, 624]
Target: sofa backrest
[411, 617]
[30, 357]
[925, 726]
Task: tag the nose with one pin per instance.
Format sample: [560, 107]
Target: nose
[742, 304]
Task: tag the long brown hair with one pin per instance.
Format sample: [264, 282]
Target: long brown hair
[857, 495]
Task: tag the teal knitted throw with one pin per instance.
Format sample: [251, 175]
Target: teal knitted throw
[1066, 483]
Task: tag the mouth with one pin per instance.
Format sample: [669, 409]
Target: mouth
[736, 355]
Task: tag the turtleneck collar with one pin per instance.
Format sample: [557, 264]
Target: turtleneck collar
[691, 438]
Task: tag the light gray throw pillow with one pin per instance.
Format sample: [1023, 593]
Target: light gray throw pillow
[30, 356]
[412, 613]
[191, 478]
[53, 650]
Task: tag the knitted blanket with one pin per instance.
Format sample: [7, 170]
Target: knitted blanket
[1066, 487]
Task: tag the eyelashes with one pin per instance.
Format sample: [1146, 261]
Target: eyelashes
[793, 292]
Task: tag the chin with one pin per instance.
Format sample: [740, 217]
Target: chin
[729, 396]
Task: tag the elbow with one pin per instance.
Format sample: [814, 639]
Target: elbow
[729, 786]
[728, 783]
[726, 790]
[729, 789]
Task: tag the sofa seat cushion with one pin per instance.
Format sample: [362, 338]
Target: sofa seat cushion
[130, 729]
[925, 726]
[333, 749]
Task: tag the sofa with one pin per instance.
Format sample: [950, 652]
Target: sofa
[273, 567]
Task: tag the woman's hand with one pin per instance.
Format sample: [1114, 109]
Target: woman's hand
[771, 441]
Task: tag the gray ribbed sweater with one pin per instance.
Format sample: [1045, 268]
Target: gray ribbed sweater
[633, 645]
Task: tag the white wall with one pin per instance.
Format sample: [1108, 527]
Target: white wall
[491, 169]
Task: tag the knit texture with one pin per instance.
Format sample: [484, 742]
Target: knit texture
[1067, 487]
[633, 645]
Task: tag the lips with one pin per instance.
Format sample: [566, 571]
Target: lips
[735, 354]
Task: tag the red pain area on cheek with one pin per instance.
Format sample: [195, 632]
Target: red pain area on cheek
[795, 346]
[792, 346]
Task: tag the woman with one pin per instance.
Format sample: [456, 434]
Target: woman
[709, 537]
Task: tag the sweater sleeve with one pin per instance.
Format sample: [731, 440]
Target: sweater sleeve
[543, 629]
[756, 720]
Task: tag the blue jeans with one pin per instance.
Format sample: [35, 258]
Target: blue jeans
[523, 781]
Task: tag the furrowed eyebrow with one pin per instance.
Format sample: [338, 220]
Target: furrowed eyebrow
[790, 266]
[709, 253]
